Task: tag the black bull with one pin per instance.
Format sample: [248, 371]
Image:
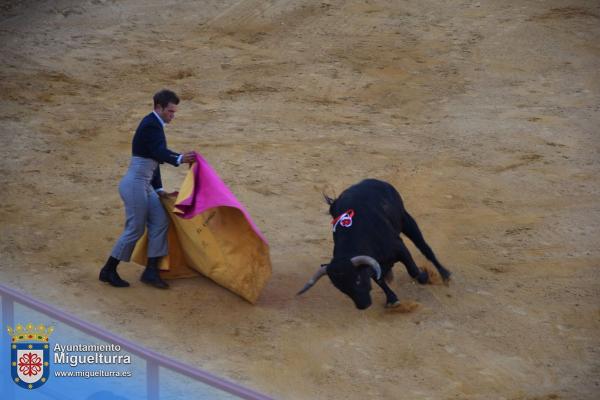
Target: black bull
[368, 220]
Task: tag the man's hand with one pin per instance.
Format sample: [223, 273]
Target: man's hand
[189, 157]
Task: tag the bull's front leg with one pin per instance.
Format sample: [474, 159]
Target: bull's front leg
[391, 300]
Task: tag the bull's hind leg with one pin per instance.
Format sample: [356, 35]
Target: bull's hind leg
[411, 229]
[405, 258]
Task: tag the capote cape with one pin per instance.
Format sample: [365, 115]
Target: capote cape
[211, 233]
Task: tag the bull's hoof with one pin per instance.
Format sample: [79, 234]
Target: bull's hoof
[445, 274]
[423, 278]
[395, 304]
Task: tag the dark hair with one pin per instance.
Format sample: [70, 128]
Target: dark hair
[164, 97]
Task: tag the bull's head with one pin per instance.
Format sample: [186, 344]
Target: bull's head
[351, 276]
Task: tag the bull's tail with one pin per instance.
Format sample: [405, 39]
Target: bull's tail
[412, 231]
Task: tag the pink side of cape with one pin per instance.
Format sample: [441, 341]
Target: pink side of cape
[210, 192]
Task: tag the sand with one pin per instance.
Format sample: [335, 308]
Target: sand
[483, 114]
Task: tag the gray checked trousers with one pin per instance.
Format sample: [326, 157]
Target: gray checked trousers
[142, 207]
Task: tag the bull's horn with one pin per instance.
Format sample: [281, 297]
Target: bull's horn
[318, 275]
[361, 260]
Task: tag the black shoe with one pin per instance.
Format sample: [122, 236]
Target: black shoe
[109, 274]
[151, 276]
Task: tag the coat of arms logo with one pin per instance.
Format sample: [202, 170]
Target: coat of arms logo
[30, 355]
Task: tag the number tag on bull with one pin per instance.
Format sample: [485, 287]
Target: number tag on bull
[344, 220]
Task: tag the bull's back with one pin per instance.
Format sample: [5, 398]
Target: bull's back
[371, 191]
[374, 196]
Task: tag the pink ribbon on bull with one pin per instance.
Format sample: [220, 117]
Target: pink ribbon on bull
[344, 220]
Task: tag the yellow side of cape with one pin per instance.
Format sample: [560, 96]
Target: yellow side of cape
[219, 244]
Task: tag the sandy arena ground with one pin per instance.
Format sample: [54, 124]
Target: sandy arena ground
[484, 115]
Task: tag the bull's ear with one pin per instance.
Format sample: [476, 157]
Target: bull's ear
[328, 199]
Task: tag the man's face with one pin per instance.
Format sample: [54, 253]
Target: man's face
[167, 113]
